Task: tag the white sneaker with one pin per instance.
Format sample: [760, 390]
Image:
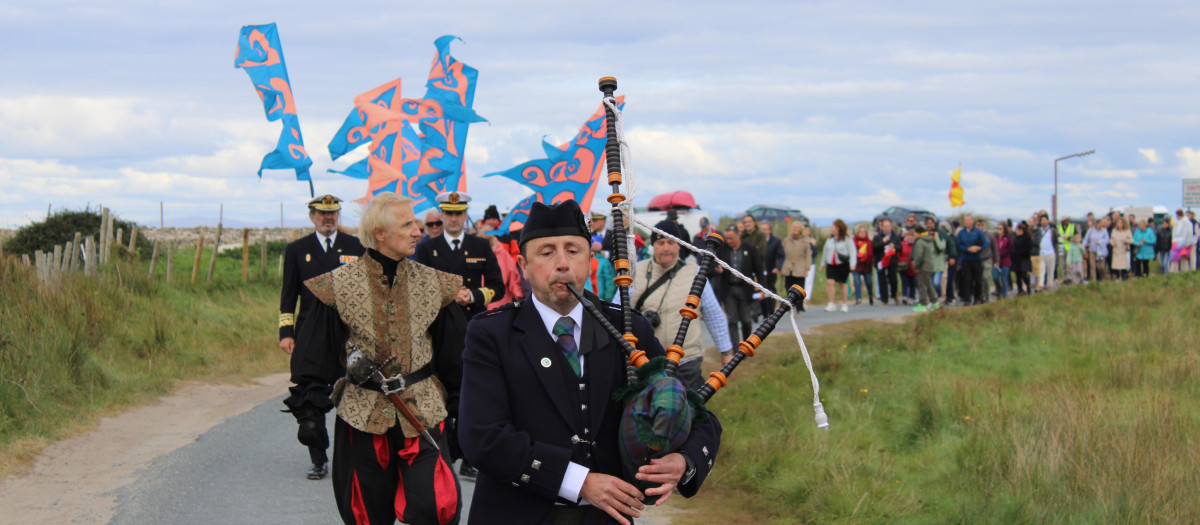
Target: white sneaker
[845, 308]
[830, 307]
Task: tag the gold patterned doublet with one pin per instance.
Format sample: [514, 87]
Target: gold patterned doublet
[388, 321]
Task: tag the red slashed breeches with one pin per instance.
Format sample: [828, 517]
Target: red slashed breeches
[378, 479]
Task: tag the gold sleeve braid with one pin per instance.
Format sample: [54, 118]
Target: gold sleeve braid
[287, 320]
[488, 294]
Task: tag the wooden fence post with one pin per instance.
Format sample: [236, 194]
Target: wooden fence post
[212, 263]
[196, 263]
[170, 260]
[133, 239]
[105, 233]
[89, 255]
[262, 274]
[74, 264]
[25, 259]
[37, 264]
[245, 254]
[117, 241]
[56, 263]
[153, 261]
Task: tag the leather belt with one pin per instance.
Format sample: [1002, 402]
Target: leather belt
[398, 384]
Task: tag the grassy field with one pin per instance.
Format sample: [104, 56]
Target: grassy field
[1073, 407]
[89, 347]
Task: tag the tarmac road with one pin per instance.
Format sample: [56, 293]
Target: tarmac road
[250, 469]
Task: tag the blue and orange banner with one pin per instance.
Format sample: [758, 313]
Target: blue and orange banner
[416, 144]
[260, 54]
[569, 171]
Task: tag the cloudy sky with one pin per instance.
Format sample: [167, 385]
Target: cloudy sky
[837, 108]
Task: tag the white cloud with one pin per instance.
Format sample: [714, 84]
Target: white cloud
[1151, 155]
[1190, 161]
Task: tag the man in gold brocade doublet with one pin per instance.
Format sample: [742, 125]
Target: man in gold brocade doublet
[399, 314]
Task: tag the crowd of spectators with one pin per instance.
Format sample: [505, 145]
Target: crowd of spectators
[920, 264]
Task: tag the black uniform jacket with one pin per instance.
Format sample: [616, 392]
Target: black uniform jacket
[304, 259]
[522, 404]
[319, 358]
[475, 262]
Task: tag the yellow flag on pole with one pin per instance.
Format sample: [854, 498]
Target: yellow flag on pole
[956, 191]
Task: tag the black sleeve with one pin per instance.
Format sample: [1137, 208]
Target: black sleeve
[422, 255]
[287, 298]
[877, 247]
[493, 279]
[757, 266]
[448, 332]
[317, 361]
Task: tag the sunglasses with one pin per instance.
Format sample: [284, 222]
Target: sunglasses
[433, 224]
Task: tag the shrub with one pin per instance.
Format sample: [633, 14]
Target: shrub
[60, 228]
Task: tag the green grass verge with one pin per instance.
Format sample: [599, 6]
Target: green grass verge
[88, 347]
[1078, 406]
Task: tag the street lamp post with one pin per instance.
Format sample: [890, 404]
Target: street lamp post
[1054, 200]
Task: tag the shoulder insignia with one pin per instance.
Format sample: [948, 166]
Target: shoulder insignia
[322, 287]
[308, 257]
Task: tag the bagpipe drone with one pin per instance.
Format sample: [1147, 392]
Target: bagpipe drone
[659, 409]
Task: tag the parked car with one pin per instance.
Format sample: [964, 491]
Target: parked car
[897, 214]
[776, 213]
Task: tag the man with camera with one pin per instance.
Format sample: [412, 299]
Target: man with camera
[660, 288]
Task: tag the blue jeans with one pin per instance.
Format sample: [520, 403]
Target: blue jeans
[859, 280]
[1164, 261]
[1003, 279]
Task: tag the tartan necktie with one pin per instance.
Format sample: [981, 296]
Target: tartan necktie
[564, 329]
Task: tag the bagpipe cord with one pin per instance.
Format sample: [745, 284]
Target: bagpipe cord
[627, 207]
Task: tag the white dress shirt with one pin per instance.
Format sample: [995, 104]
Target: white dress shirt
[572, 481]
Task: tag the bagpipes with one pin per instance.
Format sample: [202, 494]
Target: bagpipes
[659, 409]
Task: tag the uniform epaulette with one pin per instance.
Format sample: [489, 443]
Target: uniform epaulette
[507, 307]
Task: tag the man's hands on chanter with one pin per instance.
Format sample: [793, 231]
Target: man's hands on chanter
[666, 470]
[610, 494]
[287, 344]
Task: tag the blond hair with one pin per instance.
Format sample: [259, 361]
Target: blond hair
[377, 217]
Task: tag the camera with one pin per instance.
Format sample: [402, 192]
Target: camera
[653, 317]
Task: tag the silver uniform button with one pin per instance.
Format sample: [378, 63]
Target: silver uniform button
[584, 407]
[575, 439]
[524, 478]
[536, 465]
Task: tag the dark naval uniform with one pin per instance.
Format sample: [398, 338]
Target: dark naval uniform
[474, 261]
[304, 259]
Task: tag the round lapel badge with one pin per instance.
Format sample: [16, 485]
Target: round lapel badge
[545, 362]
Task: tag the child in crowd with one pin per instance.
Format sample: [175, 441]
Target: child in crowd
[1075, 259]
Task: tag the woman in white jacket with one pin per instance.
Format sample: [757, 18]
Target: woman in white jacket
[836, 257]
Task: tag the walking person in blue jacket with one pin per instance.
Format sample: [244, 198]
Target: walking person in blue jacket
[971, 241]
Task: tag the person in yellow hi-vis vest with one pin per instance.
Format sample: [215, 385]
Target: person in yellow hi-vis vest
[1066, 230]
